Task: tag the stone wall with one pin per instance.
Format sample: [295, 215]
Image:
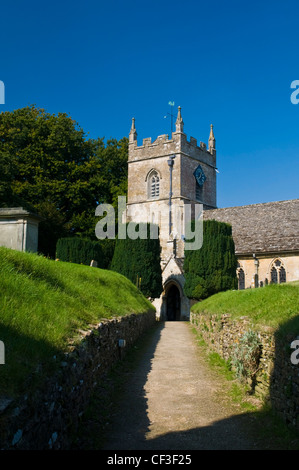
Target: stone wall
[277, 379]
[48, 417]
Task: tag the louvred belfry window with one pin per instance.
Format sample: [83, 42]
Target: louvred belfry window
[154, 188]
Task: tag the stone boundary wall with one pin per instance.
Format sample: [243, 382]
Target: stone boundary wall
[277, 379]
[48, 418]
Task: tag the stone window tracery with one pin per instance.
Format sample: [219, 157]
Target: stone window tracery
[278, 273]
[282, 275]
[153, 184]
[274, 275]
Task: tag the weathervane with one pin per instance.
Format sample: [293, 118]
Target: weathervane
[171, 103]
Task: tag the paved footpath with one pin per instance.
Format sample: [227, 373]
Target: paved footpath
[173, 401]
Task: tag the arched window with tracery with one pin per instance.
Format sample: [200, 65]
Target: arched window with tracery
[282, 275]
[241, 279]
[274, 275]
[278, 272]
[153, 185]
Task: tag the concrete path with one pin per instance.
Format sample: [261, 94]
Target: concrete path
[173, 401]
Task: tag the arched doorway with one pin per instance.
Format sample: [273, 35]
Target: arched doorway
[173, 304]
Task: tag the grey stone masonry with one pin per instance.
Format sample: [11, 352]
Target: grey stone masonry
[47, 416]
[276, 380]
[188, 155]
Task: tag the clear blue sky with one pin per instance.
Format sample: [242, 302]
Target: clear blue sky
[230, 63]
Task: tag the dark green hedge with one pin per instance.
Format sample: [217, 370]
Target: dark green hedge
[139, 261]
[212, 268]
[82, 251]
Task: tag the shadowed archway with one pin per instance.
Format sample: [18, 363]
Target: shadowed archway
[173, 303]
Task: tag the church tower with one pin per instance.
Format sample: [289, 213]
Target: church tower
[164, 176]
[176, 166]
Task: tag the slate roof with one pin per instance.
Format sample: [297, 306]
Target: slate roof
[270, 227]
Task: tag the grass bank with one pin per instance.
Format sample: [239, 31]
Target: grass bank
[43, 305]
[267, 428]
[276, 305]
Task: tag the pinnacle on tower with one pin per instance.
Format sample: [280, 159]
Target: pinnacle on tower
[133, 132]
[212, 140]
[179, 125]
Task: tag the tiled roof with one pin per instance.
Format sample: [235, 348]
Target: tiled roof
[268, 227]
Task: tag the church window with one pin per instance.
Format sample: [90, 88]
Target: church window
[241, 279]
[154, 185]
[200, 178]
[282, 275]
[278, 273]
[273, 275]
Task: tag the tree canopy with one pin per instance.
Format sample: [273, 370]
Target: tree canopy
[48, 165]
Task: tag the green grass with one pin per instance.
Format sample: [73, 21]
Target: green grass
[237, 390]
[276, 306]
[268, 427]
[43, 304]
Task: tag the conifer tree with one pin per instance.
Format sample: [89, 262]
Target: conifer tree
[139, 261]
[212, 268]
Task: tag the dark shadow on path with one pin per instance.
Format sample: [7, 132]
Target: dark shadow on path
[127, 425]
[117, 416]
[238, 432]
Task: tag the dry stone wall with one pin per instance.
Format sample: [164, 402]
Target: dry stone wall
[277, 378]
[47, 418]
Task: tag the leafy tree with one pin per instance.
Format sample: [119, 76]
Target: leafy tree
[212, 268]
[139, 261]
[48, 165]
[5, 180]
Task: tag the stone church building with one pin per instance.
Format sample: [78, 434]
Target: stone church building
[170, 176]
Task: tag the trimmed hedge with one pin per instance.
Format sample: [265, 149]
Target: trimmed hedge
[81, 251]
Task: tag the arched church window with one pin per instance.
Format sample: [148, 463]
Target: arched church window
[154, 185]
[273, 275]
[278, 272]
[241, 279]
[282, 275]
